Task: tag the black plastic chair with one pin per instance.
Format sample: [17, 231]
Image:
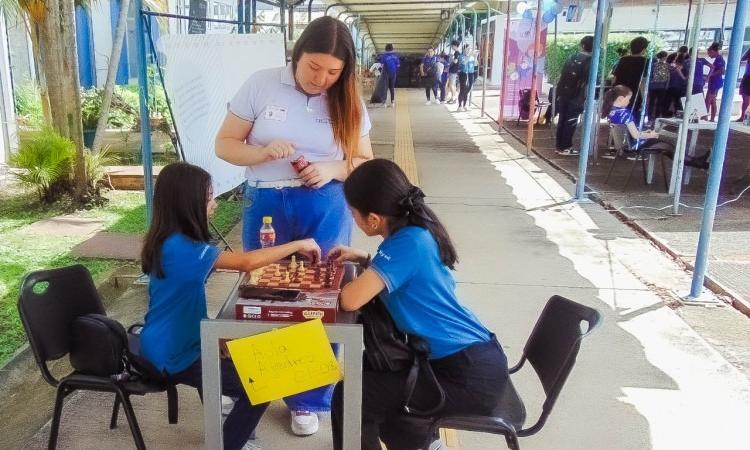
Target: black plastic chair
[50, 300]
[551, 350]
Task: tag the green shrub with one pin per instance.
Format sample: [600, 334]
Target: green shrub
[47, 161]
[567, 45]
[122, 114]
[96, 166]
[28, 100]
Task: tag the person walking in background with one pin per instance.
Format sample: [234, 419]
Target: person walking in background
[571, 95]
[428, 72]
[391, 62]
[452, 85]
[658, 87]
[629, 72]
[715, 78]
[443, 75]
[745, 87]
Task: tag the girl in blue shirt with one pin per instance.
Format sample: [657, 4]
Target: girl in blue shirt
[178, 258]
[411, 272]
[715, 78]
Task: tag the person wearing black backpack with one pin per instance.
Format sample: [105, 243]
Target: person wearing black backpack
[571, 95]
[411, 275]
[178, 258]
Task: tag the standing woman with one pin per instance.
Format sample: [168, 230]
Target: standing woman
[311, 108]
[715, 78]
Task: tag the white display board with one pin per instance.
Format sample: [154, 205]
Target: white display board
[202, 72]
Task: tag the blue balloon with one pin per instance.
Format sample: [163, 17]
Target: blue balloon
[528, 14]
[549, 17]
[548, 5]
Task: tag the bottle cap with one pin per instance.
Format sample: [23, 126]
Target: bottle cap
[267, 219]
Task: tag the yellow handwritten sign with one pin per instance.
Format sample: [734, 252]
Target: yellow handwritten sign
[284, 362]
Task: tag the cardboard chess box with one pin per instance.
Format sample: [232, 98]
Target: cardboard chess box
[313, 305]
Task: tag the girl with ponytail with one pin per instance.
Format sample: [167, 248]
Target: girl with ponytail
[411, 272]
[615, 108]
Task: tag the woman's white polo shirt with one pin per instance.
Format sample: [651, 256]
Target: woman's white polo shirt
[278, 110]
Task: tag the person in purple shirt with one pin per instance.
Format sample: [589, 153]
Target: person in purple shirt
[677, 84]
[745, 87]
[391, 63]
[715, 78]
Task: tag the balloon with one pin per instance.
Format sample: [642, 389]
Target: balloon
[548, 5]
[514, 76]
[522, 7]
[558, 8]
[549, 17]
[528, 14]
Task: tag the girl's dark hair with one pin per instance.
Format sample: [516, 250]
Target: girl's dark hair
[612, 95]
[715, 47]
[379, 186]
[662, 54]
[671, 58]
[180, 199]
[331, 37]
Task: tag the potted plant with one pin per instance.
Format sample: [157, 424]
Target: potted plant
[91, 110]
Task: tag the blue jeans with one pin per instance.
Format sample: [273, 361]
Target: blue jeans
[244, 417]
[300, 213]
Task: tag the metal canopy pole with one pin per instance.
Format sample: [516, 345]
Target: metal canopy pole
[532, 90]
[504, 76]
[647, 80]
[588, 115]
[146, 152]
[678, 163]
[719, 149]
[687, 22]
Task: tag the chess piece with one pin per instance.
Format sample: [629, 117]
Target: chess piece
[277, 273]
[301, 268]
[286, 277]
[293, 264]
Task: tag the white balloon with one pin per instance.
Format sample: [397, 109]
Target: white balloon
[522, 7]
[514, 76]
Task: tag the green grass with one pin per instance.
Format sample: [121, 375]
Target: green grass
[22, 252]
[227, 215]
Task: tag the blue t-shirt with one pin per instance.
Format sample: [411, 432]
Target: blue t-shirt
[171, 337]
[390, 62]
[716, 81]
[420, 293]
[623, 116]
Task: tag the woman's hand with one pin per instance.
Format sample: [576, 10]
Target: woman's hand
[318, 174]
[278, 149]
[309, 249]
[342, 253]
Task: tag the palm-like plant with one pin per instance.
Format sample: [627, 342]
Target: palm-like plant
[46, 163]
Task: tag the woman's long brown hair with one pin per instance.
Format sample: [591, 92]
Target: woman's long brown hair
[330, 36]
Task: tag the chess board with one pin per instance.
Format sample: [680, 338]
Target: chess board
[313, 278]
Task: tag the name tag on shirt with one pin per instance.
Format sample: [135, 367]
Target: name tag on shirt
[277, 113]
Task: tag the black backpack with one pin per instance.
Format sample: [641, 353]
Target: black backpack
[99, 346]
[388, 349]
[574, 77]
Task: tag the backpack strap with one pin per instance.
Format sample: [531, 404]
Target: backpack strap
[421, 362]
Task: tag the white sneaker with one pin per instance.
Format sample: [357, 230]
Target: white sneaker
[227, 403]
[393, 105]
[250, 445]
[304, 423]
[428, 102]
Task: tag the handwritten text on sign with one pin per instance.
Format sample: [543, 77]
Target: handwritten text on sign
[284, 362]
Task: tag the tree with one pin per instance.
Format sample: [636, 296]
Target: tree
[109, 86]
[52, 29]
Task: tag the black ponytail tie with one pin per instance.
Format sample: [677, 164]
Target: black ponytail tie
[413, 203]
